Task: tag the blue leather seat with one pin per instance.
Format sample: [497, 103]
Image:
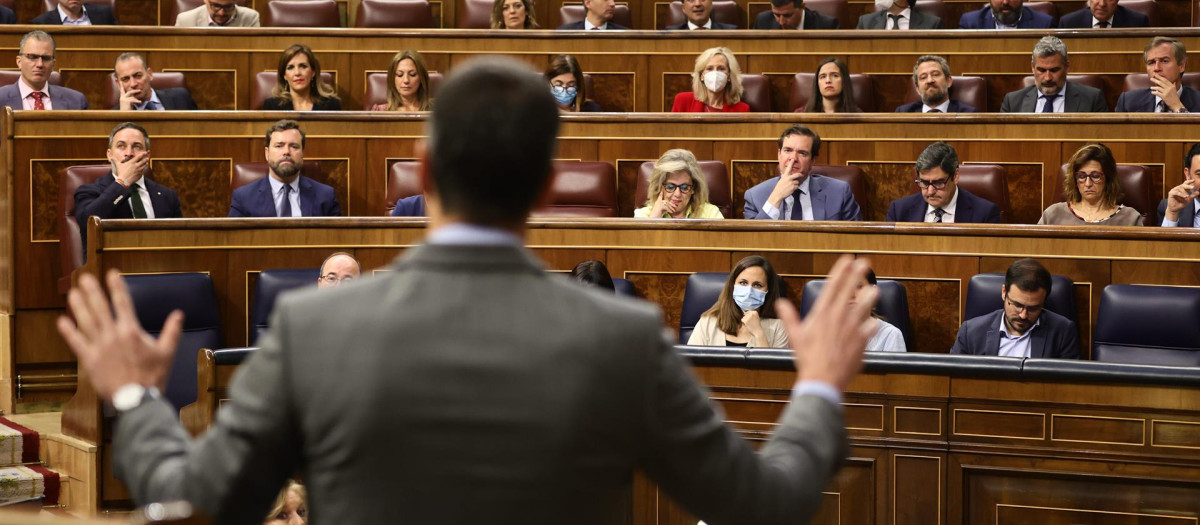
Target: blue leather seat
[701, 293]
[892, 304]
[624, 287]
[983, 296]
[155, 297]
[271, 283]
[1148, 325]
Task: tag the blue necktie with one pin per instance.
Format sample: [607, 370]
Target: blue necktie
[1049, 107]
[285, 208]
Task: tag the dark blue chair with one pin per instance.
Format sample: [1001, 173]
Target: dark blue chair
[624, 287]
[271, 283]
[892, 304]
[983, 296]
[701, 293]
[155, 297]
[1148, 325]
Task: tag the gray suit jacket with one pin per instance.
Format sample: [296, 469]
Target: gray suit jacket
[198, 17]
[469, 386]
[60, 97]
[1080, 99]
[879, 20]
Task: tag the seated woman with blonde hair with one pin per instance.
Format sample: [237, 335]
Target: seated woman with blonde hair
[716, 85]
[1092, 191]
[744, 314]
[677, 190]
[291, 507]
[408, 84]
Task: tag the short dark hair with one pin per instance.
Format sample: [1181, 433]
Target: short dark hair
[938, 155]
[285, 125]
[801, 130]
[1187, 159]
[781, 3]
[491, 150]
[593, 272]
[128, 125]
[1029, 275]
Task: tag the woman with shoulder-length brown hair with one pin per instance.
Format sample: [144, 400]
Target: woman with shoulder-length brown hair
[513, 14]
[744, 314]
[832, 90]
[1092, 192]
[566, 84]
[408, 86]
[299, 86]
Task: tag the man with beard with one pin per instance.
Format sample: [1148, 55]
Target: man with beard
[1005, 14]
[1023, 327]
[284, 192]
[931, 77]
[1051, 92]
[1166, 60]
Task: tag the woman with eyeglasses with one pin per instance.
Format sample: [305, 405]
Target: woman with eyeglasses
[566, 84]
[744, 314]
[513, 14]
[832, 91]
[1092, 192]
[677, 190]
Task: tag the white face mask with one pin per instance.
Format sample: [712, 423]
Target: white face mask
[883, 5]
[715, 81]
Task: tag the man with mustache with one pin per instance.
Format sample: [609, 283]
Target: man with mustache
[1051, 92]
[1022, 328]
[1005, 14]
[931, 77]
[699, 16]
[284, 192]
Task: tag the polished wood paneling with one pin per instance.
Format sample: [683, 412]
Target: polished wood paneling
[202, 185]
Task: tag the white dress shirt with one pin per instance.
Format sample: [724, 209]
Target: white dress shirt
[1060, 101]
[587, 25]
[707, 25]
[144, 195]
[944, 107]
[293, 196]
[1015, 346]
[67, 21]
[1096, 23]
[905, 18]
[789, 204]
[947, 210]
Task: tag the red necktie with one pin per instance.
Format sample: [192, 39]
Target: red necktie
[37, 100]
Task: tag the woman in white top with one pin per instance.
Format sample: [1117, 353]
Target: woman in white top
[744, 314]
[887, 337]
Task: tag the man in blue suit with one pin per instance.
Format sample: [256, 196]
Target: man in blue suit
[1166, 60]
[1103, 14]
[284, 192]
[77, 13]
[599, 16]
[413, 206]
[1005, 14]
[33, 90]
[699, 16]
[932, 80]
[940, 198]
[797, 194]
[1023, 328]
[1181, 208]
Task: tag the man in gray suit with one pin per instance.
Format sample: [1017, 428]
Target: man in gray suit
[900, 16]
[33, 90]
[477, 388]
[1051, 92]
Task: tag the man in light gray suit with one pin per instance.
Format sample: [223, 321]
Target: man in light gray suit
[477, 388]
[1051, 92]
[33, 90]
[900, 16]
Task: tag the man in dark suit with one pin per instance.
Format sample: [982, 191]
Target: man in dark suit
[1103, 14]
[135, 77]
[126, 193]
[791, 14]
[535, 410]
[33, 90]
[797, 193]
[1166, 60]
[1051, 92]
[1005, 14]
[284, 192]
[940, 198]
[900, 16]
[932, 80]
[413, 206]
[1023, 328]
[599, 16]
[699, 16]
[7, 16]
[77, 13]
[1181, 208]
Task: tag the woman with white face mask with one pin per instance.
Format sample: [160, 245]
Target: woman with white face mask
[745, 312]
[716, 85]
[566, 84]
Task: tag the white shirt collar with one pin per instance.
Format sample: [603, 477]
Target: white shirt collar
[66, 20]
[587, 25]
[803, 13]
[277, 185]
[707, 25]
[1096, 21]
[905, 18]
[1062, 93]
[1004, 328]
[949, 208]
[944, 106]
[153, 98]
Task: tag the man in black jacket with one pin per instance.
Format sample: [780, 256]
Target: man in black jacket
[791, 14]
[134, 77]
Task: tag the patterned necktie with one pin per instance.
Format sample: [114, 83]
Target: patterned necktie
[895, 21]
[285, 208]
[139, 209]
[37, 100]
[1049, 107]
[1102, 24]
[937, 214]
[1161, 107]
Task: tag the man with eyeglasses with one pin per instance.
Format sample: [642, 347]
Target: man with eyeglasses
[797, 193]
[1023, 327]
[33, 90]
[338, 269]
[77, 13]
[940, 199]
[218, 13]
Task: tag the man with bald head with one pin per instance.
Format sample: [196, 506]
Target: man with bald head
[338, 269]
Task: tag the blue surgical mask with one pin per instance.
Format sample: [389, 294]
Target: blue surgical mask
[748, 298]
[564, 95]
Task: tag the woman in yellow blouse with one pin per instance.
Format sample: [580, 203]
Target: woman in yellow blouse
[677, 190]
